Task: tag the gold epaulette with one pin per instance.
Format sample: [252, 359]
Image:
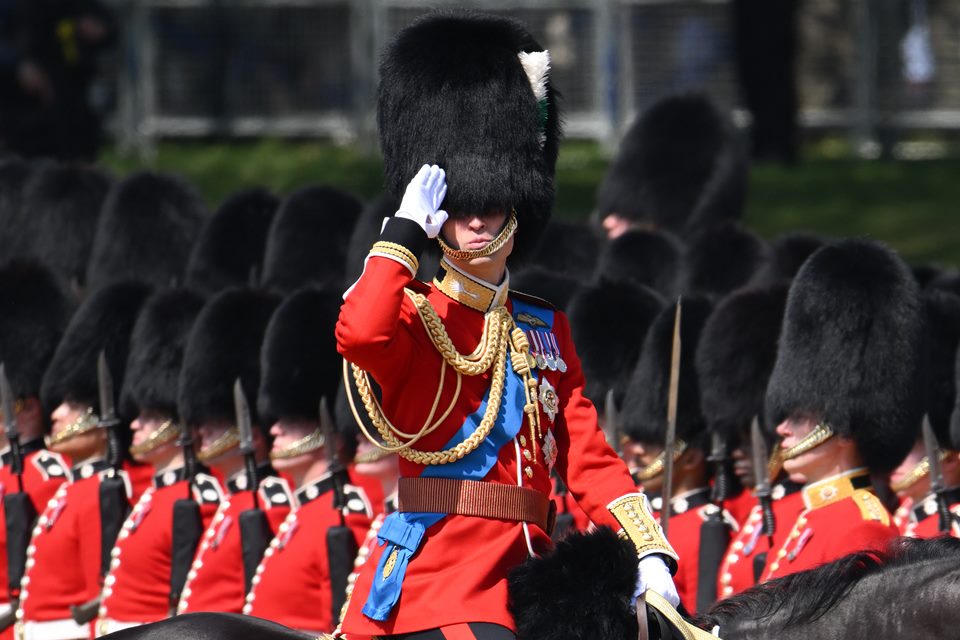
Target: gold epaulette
[870, 506]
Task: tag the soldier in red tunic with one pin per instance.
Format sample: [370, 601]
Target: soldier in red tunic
[481, 388]
[224, 345]
[36, 313]
[65, 558]
[301, 580]
[846, 397]
[137, 588]
[911, 480]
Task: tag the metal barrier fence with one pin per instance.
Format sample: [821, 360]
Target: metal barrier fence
[308, 67]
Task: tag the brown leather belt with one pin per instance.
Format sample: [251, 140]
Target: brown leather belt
[479, 499]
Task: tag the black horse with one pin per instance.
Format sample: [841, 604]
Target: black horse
[581, 591]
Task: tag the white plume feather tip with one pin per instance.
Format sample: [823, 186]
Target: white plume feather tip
[536, 65]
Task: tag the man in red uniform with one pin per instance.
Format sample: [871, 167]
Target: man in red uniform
[137, 588]
[36, 313]
[224, 345]
[911, 480]
[644, 423]
[301, 579]
[65, 556]
[734, 360]
[846, 397]
[479, 421]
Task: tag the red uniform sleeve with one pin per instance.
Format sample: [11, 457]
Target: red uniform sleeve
[592, 471]
[373, 329]
[87, 528]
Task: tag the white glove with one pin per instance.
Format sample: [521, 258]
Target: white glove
[654, 574]
[421, 201]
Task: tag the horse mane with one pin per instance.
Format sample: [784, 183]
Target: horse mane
[809, 595]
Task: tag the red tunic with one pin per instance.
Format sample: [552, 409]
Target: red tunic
[741, 505]
[901, 517]
[43, 473]
[215, 581]
[459, 573]
[924, 521]
[841, 515]
[737, 569]
[137, 589]
[64, 557]
[292, 584]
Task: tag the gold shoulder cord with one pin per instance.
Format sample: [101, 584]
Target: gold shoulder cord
[499, 334]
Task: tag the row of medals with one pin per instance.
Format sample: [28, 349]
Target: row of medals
[545, 352]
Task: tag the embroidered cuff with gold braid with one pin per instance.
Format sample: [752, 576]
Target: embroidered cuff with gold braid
[632, 511]
[402, 241]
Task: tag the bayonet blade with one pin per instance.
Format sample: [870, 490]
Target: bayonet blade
[611, 421]
[671, 441]
[329, 438]
[6, 399]
[937, 483]
[242, 414]
[108, 414]
[758, 447]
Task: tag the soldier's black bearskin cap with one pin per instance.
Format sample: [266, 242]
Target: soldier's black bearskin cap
[785, 257]
[581, 590]
[156, 351]
[681, 166]
[224, 345]
[721, 259]
[645, 405]
[851, 350]
[146, 230]
[557, 289]
[942, 339]
[567, 247]
[103, 322]
[35, 313]
[14, 175]
[299, 362]
[650, 258]
[453, 92]
[231, 244]
[735, 357]
[63, 203]
[609, 321]
[308, 239]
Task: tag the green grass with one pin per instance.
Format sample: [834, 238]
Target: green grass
[909, 204]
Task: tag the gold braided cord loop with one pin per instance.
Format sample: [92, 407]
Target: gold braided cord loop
[85, 422]
[490, 249]
[499, 336]
[163, 435]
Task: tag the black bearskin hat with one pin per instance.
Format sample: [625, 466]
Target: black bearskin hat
[557, 289]
[299, 362]
[721, 259]
[650, 258]
[925, 274]
[64, 203]
[946, 281]
[645, 405]
[14, 175]
[367, 230]
[308, 239]
[148, 224]
[35, 312]
[581, 590]
[609, 321]
[453, 92]
[851, 350]
[785, 257]
[567, 247]
[231, 244]
[103, 322]
[224, 345]
[942, 338]
[156, 351]
[735, 357]
[681, 166]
